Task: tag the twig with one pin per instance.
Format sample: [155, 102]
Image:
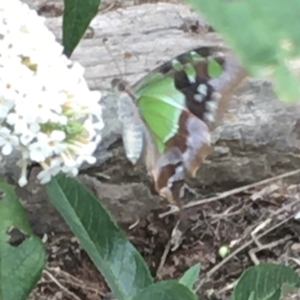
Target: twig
[132, 226]
[227, 213]
[74, 281]
[163, 259]
[228, 287]
[231, 192]
[60, 285]
[261, 247]
[238, 250]
[107, 8]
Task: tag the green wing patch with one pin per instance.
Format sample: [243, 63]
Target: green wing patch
[160, 103]
[214, 68]
[161, 118]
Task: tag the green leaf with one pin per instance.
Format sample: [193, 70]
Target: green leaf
[22, 255]
[166, 290]
[76, 19]
[265, 282]
[162, 116]
[214, 68]
[265, 35]
[190, 277]
[122, 266]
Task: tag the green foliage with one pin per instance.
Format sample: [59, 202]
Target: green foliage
[22, 255]
[190, 277]
[166, 290]
[77, 16]
[123, 267]
[265, 282]
[265, 35]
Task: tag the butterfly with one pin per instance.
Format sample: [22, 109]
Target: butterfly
[167, 116]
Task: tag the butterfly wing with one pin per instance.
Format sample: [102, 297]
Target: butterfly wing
[165, 164]
[205, 77]
[179, 102]
[182, 139]
[132, 127]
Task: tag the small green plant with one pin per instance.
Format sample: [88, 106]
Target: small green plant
[22, 255]
[265, 281]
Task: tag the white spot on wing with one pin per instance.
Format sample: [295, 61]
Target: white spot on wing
[219, 54]
[198, 97]
[202, 89]
[191, 78]
[179, 175]
[176, 64]
[216, 96]
[209, 117]
[211, 105]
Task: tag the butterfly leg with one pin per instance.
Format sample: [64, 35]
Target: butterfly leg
[172, 195]
[189, 189]
[168, 175]
[183, 223]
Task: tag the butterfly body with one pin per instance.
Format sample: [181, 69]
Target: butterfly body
[167, 116]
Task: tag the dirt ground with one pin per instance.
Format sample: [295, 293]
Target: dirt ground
[231, 221]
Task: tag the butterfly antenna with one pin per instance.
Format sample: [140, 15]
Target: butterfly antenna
[112, 57]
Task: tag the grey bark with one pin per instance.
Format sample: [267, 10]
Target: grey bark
[257, 138]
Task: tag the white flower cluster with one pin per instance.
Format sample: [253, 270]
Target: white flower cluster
[47, 112]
